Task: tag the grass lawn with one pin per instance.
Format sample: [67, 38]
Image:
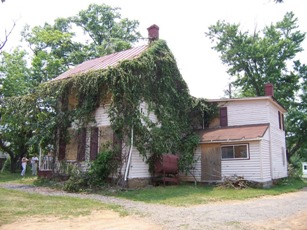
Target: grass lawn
[187, 194]
[15, 205]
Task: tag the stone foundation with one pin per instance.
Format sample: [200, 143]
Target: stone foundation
[138, 182]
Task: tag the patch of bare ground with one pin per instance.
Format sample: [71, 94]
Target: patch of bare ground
[104, 219]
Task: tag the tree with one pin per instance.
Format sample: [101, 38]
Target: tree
[14, 74]
[109, 33]
[27, 118]
[262, 57]
[6, 35]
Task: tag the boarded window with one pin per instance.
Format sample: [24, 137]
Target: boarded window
[235, 152]
[211, 168]
[94, 143]
[223, 116]
[81, 144]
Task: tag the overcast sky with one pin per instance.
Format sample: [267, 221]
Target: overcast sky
[182, 24]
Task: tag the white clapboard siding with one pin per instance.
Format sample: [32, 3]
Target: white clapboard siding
[147, 113]
[138, 166]
[250, 169]
[247, 112]
[196, 168]
[265, 161]
[102, 116]
[278, 146]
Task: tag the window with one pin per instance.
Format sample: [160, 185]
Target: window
[223, 116]
[235, 152]
[281, 121]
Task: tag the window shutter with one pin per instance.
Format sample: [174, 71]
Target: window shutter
[62, 147]
[223, 116]
[94, 143]
[279, 119]
[283, 122]
[81, 144]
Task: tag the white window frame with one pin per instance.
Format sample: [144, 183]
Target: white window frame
[234, 158]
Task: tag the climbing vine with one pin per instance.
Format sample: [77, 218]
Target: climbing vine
[153, 78]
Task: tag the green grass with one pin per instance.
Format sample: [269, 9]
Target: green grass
[15, 205]
[187, 194]
[8, 177]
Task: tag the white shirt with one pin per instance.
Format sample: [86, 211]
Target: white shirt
[34, 160]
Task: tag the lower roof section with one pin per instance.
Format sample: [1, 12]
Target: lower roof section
[233, 133]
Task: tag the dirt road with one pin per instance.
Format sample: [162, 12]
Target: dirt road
[287, 211]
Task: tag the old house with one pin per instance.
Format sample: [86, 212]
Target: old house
[128, 99]
[247, 139]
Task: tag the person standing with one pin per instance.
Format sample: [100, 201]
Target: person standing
[34, 161]
[24, 161]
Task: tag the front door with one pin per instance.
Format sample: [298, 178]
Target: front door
[210, 162]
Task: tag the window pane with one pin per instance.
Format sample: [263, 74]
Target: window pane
[240, 151]
[227, 152]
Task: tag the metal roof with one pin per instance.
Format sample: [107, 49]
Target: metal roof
[234, 133]
[104, 62]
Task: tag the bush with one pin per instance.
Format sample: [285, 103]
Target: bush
[105, 165]
[77, 183]
[295, 166]
[96, 176]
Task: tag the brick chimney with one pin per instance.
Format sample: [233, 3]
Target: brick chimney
[268, 89]
[153, 32]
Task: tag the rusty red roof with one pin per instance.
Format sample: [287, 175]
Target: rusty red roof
[234, 133]
[103, 62]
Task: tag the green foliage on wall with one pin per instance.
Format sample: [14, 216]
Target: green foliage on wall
[152, 78]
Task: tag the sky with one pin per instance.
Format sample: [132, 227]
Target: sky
[182, 25]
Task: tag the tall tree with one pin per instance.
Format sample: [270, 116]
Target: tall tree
[14, 74]
[107, 31]
[27, 121]
[264, 56]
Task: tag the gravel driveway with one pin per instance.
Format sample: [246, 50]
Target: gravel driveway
[286, 211]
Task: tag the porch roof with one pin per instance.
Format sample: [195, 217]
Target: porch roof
[234, 133]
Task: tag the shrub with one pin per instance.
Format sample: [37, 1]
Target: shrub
[97, 175]
[105, 165]
[295, 166]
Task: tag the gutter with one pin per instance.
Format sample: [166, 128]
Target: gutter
[231, 140]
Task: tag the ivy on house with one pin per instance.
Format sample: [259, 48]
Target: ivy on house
[153, 78]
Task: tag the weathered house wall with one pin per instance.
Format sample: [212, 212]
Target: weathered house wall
[138, 168]
[267, 157]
